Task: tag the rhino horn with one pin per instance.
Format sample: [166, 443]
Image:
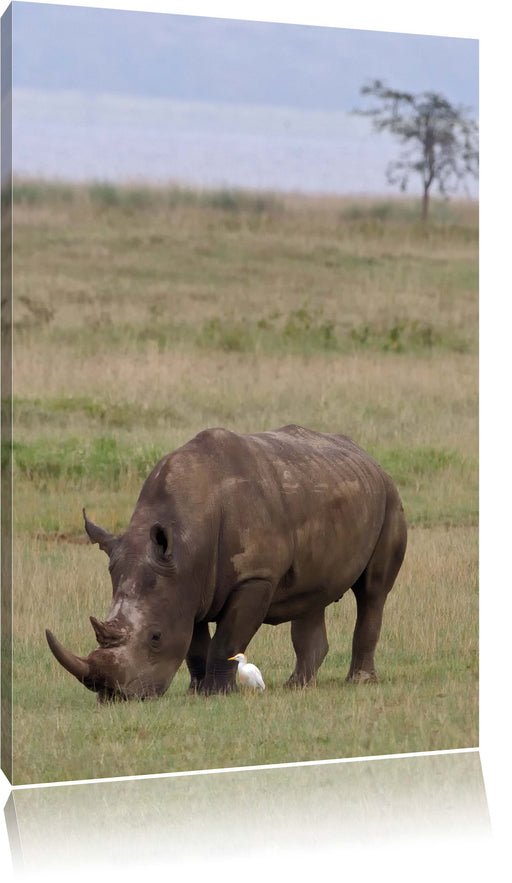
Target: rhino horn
[74, 664]
[105, 540]
[108, 634]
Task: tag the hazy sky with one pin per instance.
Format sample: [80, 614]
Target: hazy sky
[236, 62]
[111, 95]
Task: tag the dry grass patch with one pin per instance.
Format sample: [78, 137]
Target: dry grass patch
[375, 398]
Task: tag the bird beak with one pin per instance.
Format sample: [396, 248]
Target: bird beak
[231, 658]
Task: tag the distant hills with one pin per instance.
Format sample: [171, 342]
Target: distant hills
[223, 61]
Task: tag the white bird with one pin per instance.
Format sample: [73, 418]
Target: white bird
[249, 674]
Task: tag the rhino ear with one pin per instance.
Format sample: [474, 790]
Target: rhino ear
[106, 541]
[161, 537]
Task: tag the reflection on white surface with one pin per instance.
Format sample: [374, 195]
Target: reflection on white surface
[239, 822]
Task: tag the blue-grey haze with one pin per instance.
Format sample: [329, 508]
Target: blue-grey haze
[116, 95]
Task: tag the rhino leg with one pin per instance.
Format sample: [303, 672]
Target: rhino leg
[309, 639]
[371, 591]
[197, 655]
[366, 635]
[237, 623]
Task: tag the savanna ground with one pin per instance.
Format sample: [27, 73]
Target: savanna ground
[143, 316]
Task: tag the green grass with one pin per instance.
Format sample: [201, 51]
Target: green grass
[142, 316]
[426, 698]
[107, 464]
[102, 461]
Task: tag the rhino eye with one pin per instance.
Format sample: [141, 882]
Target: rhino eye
[155, 638]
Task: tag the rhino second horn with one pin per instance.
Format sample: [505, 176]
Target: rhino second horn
[108, 634]
[74, 664]
[106, 541]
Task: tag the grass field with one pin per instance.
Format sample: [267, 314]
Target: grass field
[141, 317]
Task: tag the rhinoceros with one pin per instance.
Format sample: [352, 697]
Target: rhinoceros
[240, 530]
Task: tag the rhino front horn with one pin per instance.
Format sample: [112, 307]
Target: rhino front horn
[74, 664]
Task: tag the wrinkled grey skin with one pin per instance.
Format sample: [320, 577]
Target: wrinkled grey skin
[242, 530]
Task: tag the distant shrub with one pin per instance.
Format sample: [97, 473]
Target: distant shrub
[103, 461]
[402, 335]
[42, 192]
[237, 201]
[105, 195]
[309, 331]
[139, 198]
[227, 200]
[228, 336]
[301, 331]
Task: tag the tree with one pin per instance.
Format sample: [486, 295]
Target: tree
[440, 140]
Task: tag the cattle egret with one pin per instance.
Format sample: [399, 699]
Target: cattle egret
[249, 674]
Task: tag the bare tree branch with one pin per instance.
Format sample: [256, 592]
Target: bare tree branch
[440, 140]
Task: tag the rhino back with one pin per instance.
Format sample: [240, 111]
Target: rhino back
[328, 501]
[300, 508]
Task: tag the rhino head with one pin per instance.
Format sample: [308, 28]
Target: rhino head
[148, 630]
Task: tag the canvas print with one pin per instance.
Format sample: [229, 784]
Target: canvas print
[242, 391]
